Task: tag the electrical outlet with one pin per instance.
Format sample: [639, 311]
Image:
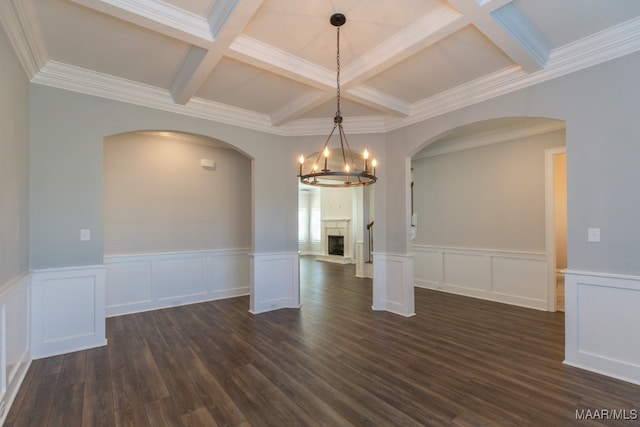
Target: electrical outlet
[593, 234]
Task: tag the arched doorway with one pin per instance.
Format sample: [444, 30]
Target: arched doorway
[177, 220]
[480, 210]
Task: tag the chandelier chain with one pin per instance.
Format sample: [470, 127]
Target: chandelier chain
[350, 174]
[338, 114]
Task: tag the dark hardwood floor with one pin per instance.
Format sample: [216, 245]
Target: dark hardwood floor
[334, 362]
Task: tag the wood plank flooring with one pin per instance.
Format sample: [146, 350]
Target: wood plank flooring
[334, 362]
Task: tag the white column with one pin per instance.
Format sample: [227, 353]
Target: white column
[275, 281]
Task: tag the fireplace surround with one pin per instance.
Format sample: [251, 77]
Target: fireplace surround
[336, 241]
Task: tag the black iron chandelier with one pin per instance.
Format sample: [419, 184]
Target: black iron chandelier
[340, 166]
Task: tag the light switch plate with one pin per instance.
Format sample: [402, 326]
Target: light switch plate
[85, 234]
[593, 234]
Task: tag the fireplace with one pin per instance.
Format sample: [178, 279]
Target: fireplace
[336, 241]
[335, 245]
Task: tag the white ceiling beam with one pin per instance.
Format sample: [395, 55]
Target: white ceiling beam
[373, 98]
[159, 17]
[229, 21]
[261, 55]
[430, 29]
[299, 106]
[509, 29]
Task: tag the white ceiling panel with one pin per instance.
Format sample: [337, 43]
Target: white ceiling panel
[565, 21]
[442, 66]
[248, 87]
[116, 48]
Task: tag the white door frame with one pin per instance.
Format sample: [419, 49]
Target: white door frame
[550, 228]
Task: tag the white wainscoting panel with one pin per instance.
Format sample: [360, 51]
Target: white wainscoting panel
[142, 282]
[275, 281]
[393, 283]
[129, 286]
[68, 310]
[509, 277]
[15, 345]
[179, 278]
[602, 321]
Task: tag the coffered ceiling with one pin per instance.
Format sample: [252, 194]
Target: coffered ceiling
[270, 65]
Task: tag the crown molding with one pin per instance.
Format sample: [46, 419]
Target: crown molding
[76, 79]
[21, 23]
[23, 29]
[352, 126]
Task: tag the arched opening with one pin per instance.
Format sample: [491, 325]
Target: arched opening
[177, 220]
[479, 211]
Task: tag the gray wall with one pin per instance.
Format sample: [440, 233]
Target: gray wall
[490, 197]
[158, 197]
[600, 108]
[14, 165]
[67, 136]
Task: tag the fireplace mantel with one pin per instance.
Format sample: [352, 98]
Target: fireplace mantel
[336, 227]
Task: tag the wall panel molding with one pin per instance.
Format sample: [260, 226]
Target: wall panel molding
[275, 281]
[602, 323]
[393, 283]
[68, 310]
[15, 345]
[517, 278]
[141, 282]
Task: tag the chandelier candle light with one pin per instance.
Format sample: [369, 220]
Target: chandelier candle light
[335, 173]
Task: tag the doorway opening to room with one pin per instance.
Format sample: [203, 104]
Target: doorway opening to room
[335, 225]
[556, 224]
[177, 220]
[335, 246]
[481, 212]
